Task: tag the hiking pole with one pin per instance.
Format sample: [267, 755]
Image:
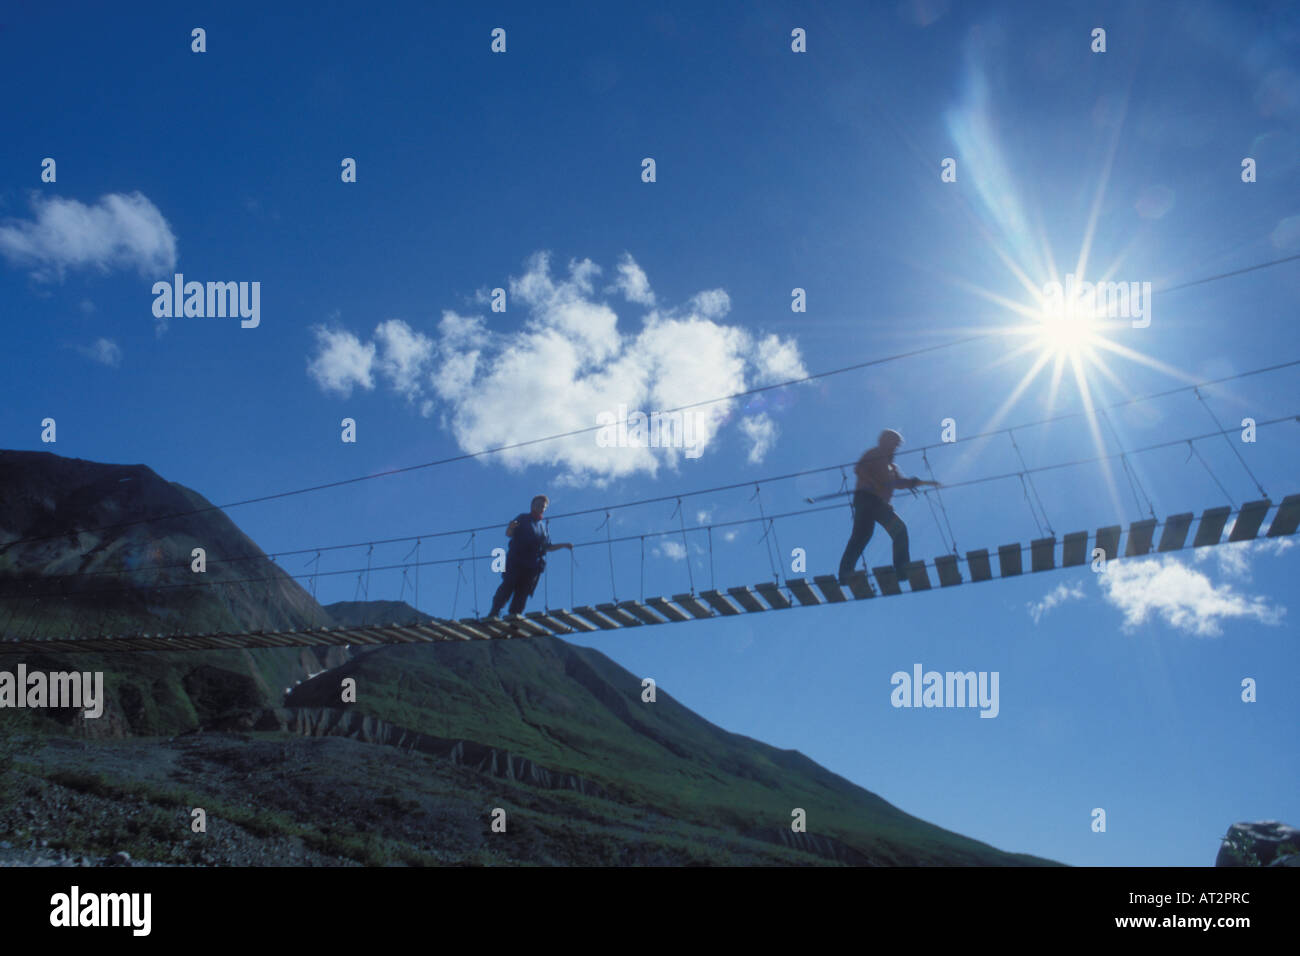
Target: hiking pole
[838, 494]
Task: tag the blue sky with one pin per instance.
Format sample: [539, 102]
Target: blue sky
[775, 170]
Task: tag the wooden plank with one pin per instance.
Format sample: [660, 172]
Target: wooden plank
[1210, 530]
[830, 587]
[1249, 518]
[949, 573]
[859, 584]
[1074, 549]
[423, 633]
[365, 635]
[1287, 519]
[527, 627]
[471, 627]
[1108, 540]
[667, 609]
[979, 565]
[595, 617]
[1042, 554]
[773, 595]
[641, 612]
[546, 620]
[448, 629]
[1009, 560]
[445, 632]
[887, 580]
[745, 598]
[720, 603]
[396, 634]
[1174, 534]
[1139, 537]
[805, 595]
[692, 604]
[577, 623]
[618, 615]
[917, 577]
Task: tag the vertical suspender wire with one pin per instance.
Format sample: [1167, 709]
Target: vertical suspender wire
[1192, 451]
[546, 579]
[573, 563]
[1231, 443]
[1046, 521]
[642, 569]
[365, 617]
[405, 576]
[939, 498]
[473, 568]
[609, 543]
[1129, 473]
[853, 513]
[774, 546]
[455, 598]
[267, 612]
[686, 551]
[713, 582]
[315, 604]
[1025, 489]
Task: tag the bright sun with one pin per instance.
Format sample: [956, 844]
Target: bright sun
[1064, 336]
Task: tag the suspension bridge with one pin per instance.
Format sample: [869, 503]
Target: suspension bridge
[1044, 553]
[1075, 549]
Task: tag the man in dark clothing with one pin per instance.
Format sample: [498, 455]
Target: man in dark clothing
[525, 558]
[878, 476]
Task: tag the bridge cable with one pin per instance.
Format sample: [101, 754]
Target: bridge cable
[939, 497]
[1194, 451]
[1231, 444]
[686, 548]
[1134, 483]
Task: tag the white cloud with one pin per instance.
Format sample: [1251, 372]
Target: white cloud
[1058, 595]
[567, 362]
[404, 356]
[1182, 596]
[87, 307]
[1233, 558]
[668, 548]
[118, 232]
[342, 361]
[104, 351]
[712, 303]
[761, 432]
[777, 360]
[632, 282]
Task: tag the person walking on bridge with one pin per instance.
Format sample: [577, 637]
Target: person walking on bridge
[878, 476]
[525, 558]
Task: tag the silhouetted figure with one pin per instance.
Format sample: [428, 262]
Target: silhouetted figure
[525, 558]
[878, 476]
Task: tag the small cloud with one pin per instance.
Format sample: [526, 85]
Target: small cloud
[777, 360]
[341, 362]
[118, 232]
[761, 432]
[632, 282]
[403, 357]
[87, 307]
[703, 517]
[1057, 596]
[712, 303]
[668, 548]
[104, 351]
